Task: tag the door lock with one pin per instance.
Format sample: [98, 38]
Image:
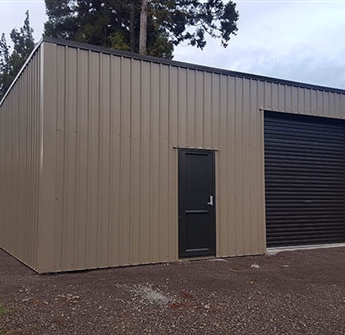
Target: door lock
[210, 203]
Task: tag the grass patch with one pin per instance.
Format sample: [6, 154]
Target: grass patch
[3, 310]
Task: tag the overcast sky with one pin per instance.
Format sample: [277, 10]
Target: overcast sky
[296, 40]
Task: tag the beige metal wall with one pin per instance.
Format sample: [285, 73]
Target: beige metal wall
[115, 125]
[100, 188]
[19, 164]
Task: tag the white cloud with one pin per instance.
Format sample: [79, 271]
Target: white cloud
[299, 41]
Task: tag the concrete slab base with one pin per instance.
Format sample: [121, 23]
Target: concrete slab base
[274, 251]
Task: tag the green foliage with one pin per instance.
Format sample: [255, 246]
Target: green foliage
[3, 310]
[170, 22]
[5, 68]
[117, 41]
[23, 40]
[10, 64]
[191, 20]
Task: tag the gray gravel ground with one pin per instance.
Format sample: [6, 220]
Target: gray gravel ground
[299, 292]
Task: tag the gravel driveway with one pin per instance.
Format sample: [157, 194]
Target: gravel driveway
[299, 292]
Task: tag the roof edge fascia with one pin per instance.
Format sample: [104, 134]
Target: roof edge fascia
[191, 66]
[157, 60]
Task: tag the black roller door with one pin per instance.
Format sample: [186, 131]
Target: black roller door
[305, 180]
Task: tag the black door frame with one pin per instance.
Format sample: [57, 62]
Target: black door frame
[181, 200]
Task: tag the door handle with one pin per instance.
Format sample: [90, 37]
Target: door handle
[210, 203]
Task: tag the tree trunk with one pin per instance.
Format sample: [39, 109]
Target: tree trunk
[143, 28]
[132, 26]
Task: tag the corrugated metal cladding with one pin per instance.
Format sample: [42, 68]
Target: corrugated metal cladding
[19, 164]
[109, 166]
[116, 124]
[305, 179]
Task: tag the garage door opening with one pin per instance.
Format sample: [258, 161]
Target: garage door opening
[305, 180]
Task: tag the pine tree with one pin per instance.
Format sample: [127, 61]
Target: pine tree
[10, 64]
[117, 23]
[5, 78]
[23, 43]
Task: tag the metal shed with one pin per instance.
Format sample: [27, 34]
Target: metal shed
[109, 159]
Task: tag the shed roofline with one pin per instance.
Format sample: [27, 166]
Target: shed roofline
[37, 46]
[157, 60]
[189, 65]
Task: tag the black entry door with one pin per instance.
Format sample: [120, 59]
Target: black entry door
[196, 203]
